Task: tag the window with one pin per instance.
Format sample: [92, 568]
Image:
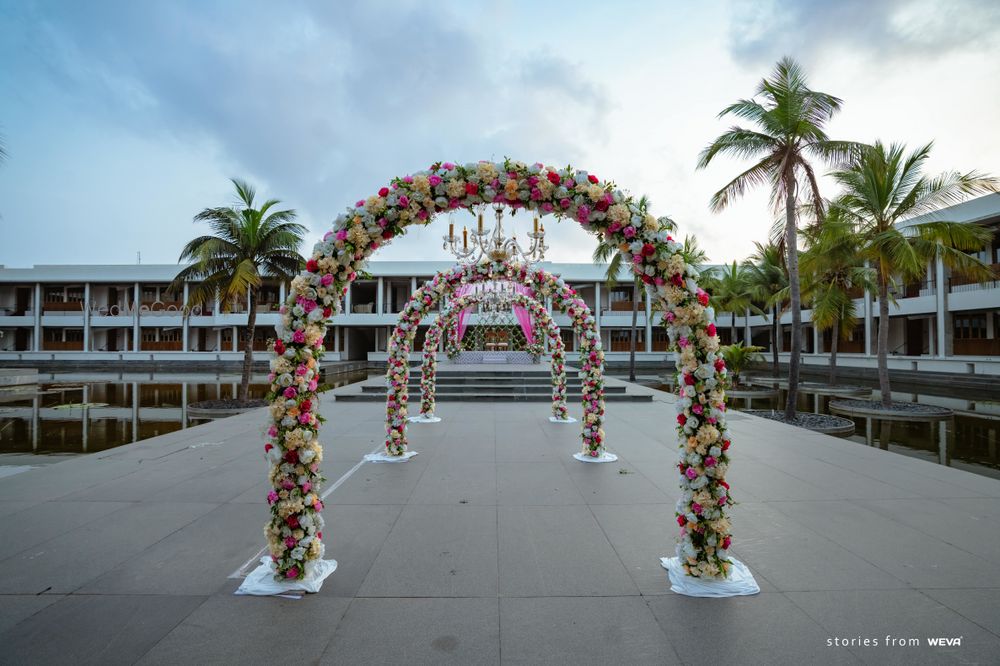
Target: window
[74, 335]
[970, 327]
[74, 295]
[54, 294]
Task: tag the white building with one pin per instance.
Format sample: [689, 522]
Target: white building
[123, 312]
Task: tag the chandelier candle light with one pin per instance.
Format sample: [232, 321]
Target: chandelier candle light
[493, 244]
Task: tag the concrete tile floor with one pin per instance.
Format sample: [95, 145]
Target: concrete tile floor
[495, 546]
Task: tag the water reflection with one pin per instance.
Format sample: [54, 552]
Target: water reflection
[968, 440]
[82, 413]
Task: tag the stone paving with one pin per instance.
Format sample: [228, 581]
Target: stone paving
[495, 545]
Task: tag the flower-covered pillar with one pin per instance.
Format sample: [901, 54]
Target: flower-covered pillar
[599, 207]
[542, 321]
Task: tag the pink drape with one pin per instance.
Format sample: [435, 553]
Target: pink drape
[460, 291]
[522, 316]
[520, 313]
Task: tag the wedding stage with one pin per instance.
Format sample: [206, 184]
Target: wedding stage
[493, 539]
[493, 357]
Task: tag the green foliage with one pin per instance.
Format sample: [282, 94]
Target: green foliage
[246, 245]
[737, 357]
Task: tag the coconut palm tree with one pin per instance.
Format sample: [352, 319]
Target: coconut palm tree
[833, 272]
[733, 294]
[737, 357]
[884, 185]
[790, 121]
[247, 244]
[610, 253]
[768, 282]
[606, 252]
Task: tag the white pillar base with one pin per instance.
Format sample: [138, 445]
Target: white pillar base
[556, 419]
[739, 583]
[424, 418]
[605, 457]
[386, 458]
[261, 580]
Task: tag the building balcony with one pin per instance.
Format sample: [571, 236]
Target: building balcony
[62, 345]
[57, 307]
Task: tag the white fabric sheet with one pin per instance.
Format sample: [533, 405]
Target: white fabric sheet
[740, 582]
[261, 580]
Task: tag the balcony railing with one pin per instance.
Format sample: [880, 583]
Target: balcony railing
[161, 345]
[960, 283]
[62, 345]
[62, 306]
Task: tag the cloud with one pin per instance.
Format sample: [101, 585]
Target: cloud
[761, 31]
[323, 102]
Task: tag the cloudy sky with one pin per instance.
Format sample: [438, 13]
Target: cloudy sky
[122, 120]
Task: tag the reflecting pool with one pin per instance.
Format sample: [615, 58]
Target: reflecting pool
[71, 413]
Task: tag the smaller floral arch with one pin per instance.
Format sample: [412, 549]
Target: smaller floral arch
[541, 320]
[545, 285]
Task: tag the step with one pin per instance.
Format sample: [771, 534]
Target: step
[571, 388]
[490, 397]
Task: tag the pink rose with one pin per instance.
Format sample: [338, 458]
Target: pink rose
[292, 573]
[327, 279]
[290, 392]
[299, 336]
[691, 473]
[434, 180]
[342, 235]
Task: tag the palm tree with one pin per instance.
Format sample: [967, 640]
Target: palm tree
[732, 294]
[693, 255]
[247, 244]
[607, 252]
[790, 120]
[768, 282]
[610, 253]
[737, 356]
[884, 185]
[833, 271]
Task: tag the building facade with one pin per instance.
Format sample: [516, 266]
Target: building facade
[110, 313]
[121, 312]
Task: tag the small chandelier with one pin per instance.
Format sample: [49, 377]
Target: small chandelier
[497, 297]
[493, 244]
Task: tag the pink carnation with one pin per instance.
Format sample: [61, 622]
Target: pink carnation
[299, 336]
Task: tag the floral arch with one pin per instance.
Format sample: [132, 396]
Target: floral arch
[295, 530]
[543, 284]
[541, 320]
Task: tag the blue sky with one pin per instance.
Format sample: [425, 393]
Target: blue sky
[123, 119]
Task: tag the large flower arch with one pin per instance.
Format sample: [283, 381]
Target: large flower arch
[295, 529]
[543, 284]
[541, 320]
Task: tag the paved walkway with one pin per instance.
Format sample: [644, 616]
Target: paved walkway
[495, 545]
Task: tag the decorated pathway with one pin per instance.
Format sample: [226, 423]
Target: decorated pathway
[494, 545]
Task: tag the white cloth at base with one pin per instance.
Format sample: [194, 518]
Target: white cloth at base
[386, 458]
[556, 419]
[424, 418]
[261, 580]
[603, 458]
[739, 583]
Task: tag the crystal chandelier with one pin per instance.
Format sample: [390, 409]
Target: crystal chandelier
[493, 244]
[496, 297]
